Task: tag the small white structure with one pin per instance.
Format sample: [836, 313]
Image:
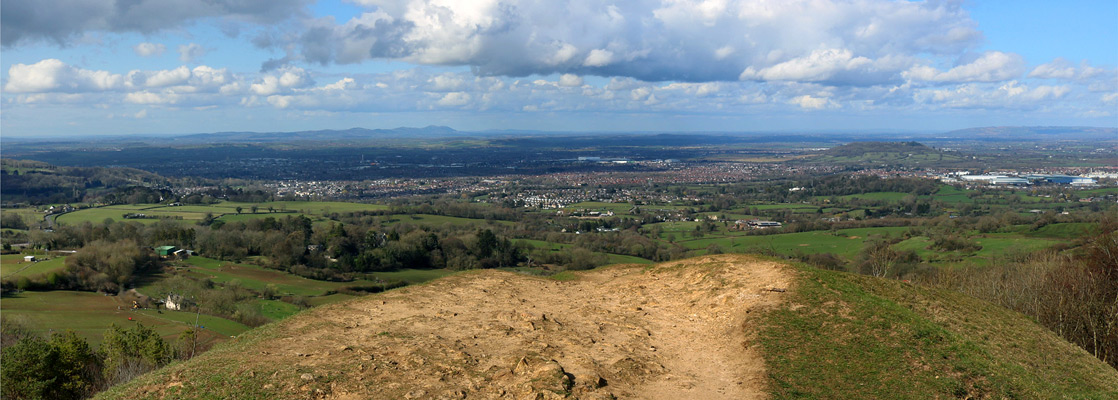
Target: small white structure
[29, 258]
[175, 302]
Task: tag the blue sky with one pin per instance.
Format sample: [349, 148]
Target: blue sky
[85, 67]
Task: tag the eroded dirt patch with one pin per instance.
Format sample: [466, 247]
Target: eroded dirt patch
[674, 331]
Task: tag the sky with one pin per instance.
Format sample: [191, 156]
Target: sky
[99, 67]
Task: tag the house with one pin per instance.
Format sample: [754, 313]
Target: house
[758, 224]
[175, 302]
[29, 259]
[165, 251]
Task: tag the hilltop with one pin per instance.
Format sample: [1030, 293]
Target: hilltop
[727, 326]
[908, 154]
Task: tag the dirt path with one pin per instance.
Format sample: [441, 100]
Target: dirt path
[674, 331]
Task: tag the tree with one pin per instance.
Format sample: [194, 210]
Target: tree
[878, 258]
[63, 368]
[132, 352]
[254, 208]
[239, 209]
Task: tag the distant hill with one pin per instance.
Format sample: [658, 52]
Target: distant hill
[35, 182]
[429, 132]
[727, 326]
[895, 154]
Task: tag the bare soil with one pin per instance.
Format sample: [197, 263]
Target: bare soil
[677, 330]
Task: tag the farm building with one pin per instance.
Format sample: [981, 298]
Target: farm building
[29, 258]
[175, 302]
[165, 251]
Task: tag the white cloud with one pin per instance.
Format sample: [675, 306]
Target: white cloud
[454, 99]
[1010, 94]
[151, 98]
[677, 40]
[289, 78]
[570, 80]
[53, 75]
[190, 52]
[172, 77]
[992, 66]
[146, 49]
[820, 65]
[598, 58]
[1063, 69]
[812, 102]
[344, 84]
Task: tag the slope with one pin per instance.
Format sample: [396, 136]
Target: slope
[727, 326]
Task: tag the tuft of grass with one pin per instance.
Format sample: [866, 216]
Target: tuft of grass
[852, 336]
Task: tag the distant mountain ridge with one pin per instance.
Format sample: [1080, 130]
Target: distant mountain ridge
[428, 132]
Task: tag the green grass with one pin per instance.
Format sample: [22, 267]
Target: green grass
[438, 220]
[277, 310]
[610, 257]
[99, 214]
[857, 337]
[245, 216]
[310, 207]
[1071, 230]
[15, 266]
[225, 210]
[880, 196]
[90, 314]
[257, 278]
[845, 242]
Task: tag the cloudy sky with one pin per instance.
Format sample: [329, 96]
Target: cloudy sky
[82, 67]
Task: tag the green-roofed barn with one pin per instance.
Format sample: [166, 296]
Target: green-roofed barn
[165, 251]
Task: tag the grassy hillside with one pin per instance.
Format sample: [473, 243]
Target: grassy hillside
[831, 335]
[857, 337]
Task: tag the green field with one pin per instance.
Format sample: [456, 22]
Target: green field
[438, 220]
[90, 314]
[257, 278]
[277, 310]
[845, 242]
[12, 265]
[611, 258]
[879, 196]
[225, 210]
[1063, 231]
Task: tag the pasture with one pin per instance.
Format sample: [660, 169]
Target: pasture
[226, 210]
[12, 265]
[90, 315]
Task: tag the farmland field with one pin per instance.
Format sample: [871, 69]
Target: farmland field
[225, 210]
[15, 266]
[90, 315]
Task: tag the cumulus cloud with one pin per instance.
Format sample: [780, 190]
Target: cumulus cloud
[991, 66]
[1061, 68]
[679, 40]
[1010, 94]
[149, 49]
[287, 78]
[59, 21]
[52, 75]
[454, 99]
